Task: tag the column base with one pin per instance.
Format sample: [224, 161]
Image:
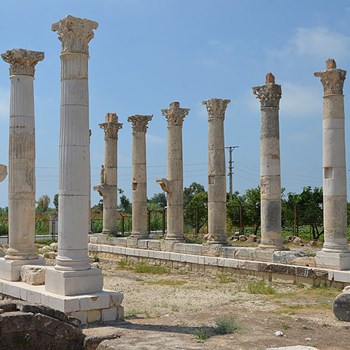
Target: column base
[272, 246]
[10, 270]
[73, 282]
[333, 260]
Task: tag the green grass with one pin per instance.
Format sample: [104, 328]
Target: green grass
[152, 269]
[122, 263]
[260, 287]
[201, 334]
[226, 325]
[167, 282]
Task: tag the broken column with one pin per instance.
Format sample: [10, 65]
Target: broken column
[216, 171]
[270, 174]
[173, 184]
[21, 188]
[139, 176]
[108, 187]
[72, 274]
[335, 253]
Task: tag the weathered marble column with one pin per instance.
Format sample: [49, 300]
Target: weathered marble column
[72, 274]
[139, 175]
[270, 173]
[21, 193]
[216, 171]
[108, 188]
[335, 253]
[173, 184]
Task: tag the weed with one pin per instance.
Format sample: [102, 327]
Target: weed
[223, 278]
[201, 334]
[95, 258]
[260, 287]
[226, 325]
[152, 269]
[174, 308]
[285, 326]
[166, 282]
[122, 263]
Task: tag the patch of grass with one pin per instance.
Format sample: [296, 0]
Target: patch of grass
[122, 263]
[260, 287]
[201, 334]
[175, 308]
[226, 325]
[167, 282]
[137, 312]
[152, 269]
[223, 278]
[285, 326]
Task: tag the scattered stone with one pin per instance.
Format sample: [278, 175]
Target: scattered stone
[252, 238]
[54, 247]
[33, 274]
[341, 306]
[279, 334]
[297, 240]
[242, 238]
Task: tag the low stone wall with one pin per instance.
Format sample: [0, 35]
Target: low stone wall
[226, 263]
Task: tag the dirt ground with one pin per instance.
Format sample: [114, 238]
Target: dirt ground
[178, 310]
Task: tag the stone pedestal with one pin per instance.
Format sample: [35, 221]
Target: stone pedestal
[139, 176]
[335, 253]
[270, 174]
[216, 171]
[173, 184]
[72, 263]
[108, 188]
[21, 189]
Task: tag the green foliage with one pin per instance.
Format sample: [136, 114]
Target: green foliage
[122, 263]
[43, 204]
[125, 204]
[201, 334]
[96, 225]
[260, 287]
[226, 325]
[151, 269]
[157, 201]
[55, 201]
[42, 226]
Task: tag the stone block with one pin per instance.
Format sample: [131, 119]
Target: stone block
[340, 276]
[132, 242]
[154, 244]
[232, 263]
[120, 241]
[175, 256]
[245, 253]
[116, 298]
[193, 259]
[120, 313]
[179, 247]
[73, 282]
[209, 260]
[263, 254]
[143, 253]
[195, 249]
[287, 256]
[142, 244]
[93, 316]
[12, 290]
[33, 274]
[109, 314]
[10, 270]
[80, 315]
[32, 297]
[334, 261]
[228, 252]
[16, 321]
[95, 301]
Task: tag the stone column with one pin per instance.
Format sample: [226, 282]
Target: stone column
[216, 171]
[335, 253]
[139, 176]
[108, 188]
[270, 173]
[72, 274]
[21, 187]
[173, 185]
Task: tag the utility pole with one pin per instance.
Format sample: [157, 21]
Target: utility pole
[230, 169]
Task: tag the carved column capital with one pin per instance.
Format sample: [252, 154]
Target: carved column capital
[111, 126]
[75, 34]
[332, 78]
[270, 93]
[175, 115]
[216, 107]
[139, 122]
[22, 62]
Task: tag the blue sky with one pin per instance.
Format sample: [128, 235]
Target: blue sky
[148, 53]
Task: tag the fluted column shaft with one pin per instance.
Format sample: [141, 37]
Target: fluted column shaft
[21, 190]
[139, 175]
[270, 173]
[334, 163]
[216, 171]
[173, 185]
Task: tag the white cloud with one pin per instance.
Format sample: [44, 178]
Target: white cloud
[315, 42]
[301, 101]
[4, 103]
[155, 140]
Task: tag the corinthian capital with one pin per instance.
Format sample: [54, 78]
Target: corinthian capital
[270, 93]
[75, 34]
[175, 115]
[139, 122]
[216, 107]
[22, 62]
[332, 78]
[111, 126]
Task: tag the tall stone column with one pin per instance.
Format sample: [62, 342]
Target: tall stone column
[335, 253]
[139, 176]
[72, 274]
[216, 171]
[270, 173]
[21, 188]
[173, 185]
[108, 188]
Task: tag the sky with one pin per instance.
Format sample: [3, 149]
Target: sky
[149, 53]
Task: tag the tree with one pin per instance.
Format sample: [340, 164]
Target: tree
[43, 204]
[191, 190]
[55, 201]
[157, 201]
[125, 204]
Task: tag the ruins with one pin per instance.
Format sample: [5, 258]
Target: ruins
[139, 176]
[270, 173]
[173, 184]
[335, 253]
[108, 187]
[216, 171]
